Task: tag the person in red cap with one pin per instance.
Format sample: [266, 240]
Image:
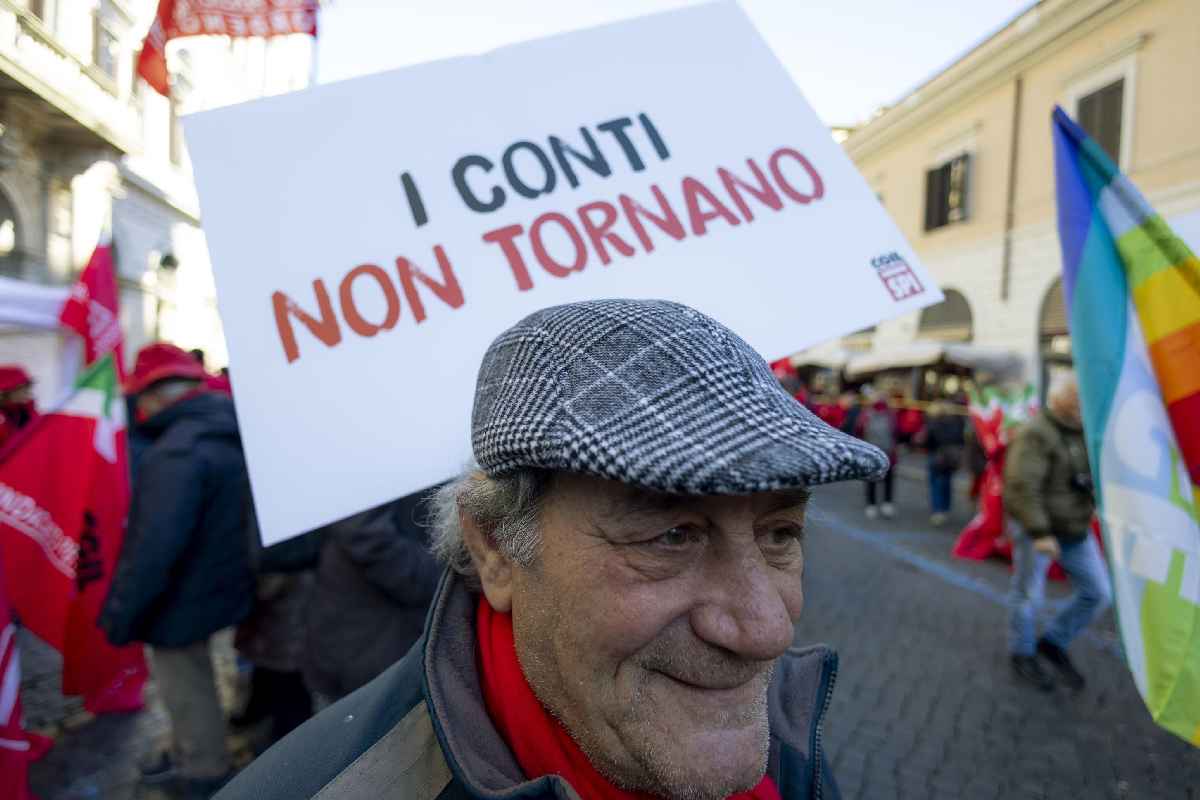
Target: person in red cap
[184, 570]
[17, 407]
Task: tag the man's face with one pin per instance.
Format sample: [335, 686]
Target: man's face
[1066, 404]
[650, 626]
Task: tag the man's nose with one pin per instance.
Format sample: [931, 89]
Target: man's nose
[745, 610]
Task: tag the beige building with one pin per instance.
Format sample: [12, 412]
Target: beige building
[965, 166]
[86, 145]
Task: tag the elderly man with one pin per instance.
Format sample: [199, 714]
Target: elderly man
[1048, 492]
[625, 577]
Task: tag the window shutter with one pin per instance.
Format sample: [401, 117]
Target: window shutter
[958, 180]
[931, 195]
[1100, 114]
[1111, 105]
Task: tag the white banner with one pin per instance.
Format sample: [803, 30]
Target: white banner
[370, 238]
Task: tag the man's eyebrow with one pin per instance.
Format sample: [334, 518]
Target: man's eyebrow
[634, 502]
[797, 498]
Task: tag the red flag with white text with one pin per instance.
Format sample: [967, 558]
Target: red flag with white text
[233, 18]
[91, 310]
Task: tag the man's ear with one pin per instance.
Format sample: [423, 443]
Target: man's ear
[495, 569]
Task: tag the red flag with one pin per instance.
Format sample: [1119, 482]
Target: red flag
[18, 747]
[176, 18]
[91, 310]
[64, 494]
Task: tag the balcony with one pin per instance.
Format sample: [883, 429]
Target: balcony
[82, 102]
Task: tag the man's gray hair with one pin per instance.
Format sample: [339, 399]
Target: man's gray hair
[506, 510]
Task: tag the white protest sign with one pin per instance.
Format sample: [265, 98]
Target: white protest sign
[370, 238]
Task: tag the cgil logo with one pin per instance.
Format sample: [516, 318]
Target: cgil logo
[885, 259]
[897, 276]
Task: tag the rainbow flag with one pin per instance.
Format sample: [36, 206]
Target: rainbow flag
[1133, 301]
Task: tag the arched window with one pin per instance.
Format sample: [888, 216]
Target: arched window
[1054, 337]
[948, 321]
[10, 261]
[1053, 334]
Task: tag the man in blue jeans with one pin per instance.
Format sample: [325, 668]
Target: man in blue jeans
[1048, 493]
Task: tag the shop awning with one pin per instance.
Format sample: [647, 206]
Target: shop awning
[922, 354]
[31, 305]
[826, 357]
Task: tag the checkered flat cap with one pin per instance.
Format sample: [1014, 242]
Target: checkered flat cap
[652, 394]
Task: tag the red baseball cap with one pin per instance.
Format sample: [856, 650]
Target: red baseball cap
[160, 361]
[13, 377]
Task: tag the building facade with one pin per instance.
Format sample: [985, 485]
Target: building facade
[86, 146]
[965, 163]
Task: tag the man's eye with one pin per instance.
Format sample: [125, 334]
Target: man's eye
[676, 538]
[783, 538]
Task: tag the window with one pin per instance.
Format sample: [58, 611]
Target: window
[38, 9]
[1054, 337]
[948, 321]
[1100, 114]
[104, 47]
[946, 192]
[10, 256]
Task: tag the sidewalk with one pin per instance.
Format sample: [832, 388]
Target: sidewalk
[925, 705]
[98, 757]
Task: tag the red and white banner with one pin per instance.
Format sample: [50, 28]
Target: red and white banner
[235, 18]
[91, 309]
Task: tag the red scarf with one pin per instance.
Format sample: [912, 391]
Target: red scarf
[540, 743]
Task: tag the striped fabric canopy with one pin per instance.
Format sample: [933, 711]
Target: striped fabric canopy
[1132, 290]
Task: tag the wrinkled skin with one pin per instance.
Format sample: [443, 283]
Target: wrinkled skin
[650, 625]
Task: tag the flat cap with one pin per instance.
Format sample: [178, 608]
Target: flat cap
[653, 394]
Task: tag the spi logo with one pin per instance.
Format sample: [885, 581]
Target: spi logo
[897, 276]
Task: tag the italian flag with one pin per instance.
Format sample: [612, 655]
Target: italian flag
[64, 495]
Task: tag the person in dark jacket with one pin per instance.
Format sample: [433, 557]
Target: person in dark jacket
[183, 573]
[944, 438]
[374, 583]
[624, 577]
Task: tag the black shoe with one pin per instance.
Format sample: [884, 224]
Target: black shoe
[159, 769]
[1029, 670]
[1058, 658]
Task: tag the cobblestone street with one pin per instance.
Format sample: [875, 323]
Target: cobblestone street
[925, 705]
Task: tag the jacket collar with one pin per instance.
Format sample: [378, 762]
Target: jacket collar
[479, 758]
[1061, 423]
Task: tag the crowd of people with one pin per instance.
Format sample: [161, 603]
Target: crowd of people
[315, 617]
[1047, 496]
[939, 430]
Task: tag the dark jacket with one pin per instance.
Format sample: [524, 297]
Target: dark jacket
[421, 730]
[184, 571]
[375, 581]
[945, 439]
[1047, 480]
